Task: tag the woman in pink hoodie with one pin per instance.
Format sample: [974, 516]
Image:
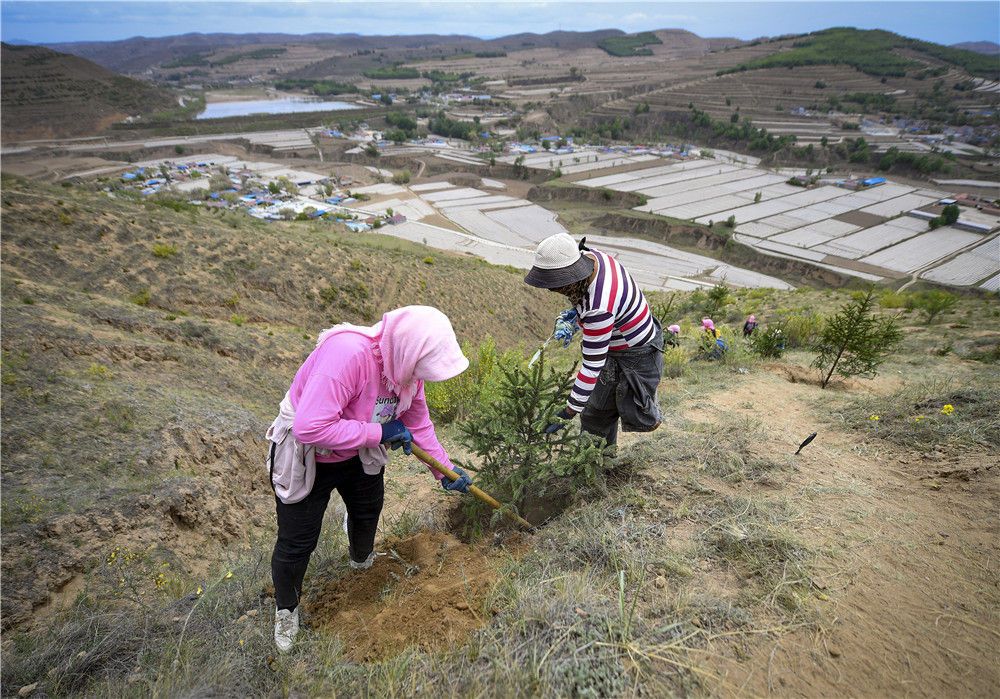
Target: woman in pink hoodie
[360, 390]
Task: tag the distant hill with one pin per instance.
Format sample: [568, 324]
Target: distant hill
[140, 53]
[989, 48]
[47, 94]
[876, 52]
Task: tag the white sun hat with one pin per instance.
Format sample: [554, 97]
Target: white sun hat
[558, 262]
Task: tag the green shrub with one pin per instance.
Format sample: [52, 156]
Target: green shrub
[675, 362]
[428, 260]
[934, 302]
[717, 298]
[895, 299]
[768, 343]
[237, 319]
[140, 298]
[800, 329]
[164, 250]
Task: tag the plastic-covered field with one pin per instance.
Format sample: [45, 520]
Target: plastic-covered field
[572, 168]
[479, 224]
[677, 209]
[380, 188]
[439, 198]
[815, 233]
[531, 223]
[715, 181]
[923, 250]
[645, 173]
[870, 240]
[757, 230]
[579, 160]
[991, 284]
[898, 205]
[764, 209]
[414, 209]
[462, 206]
[431, 186]
[680, 172]
[652, 262]
[443, 239]
[790, 250]
[969, 267]
[475, 202]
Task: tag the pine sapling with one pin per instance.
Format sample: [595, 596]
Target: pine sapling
[855, 341]
[516, 457]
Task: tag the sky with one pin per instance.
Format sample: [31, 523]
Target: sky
[81, 20]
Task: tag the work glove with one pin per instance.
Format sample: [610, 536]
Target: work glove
[395, 435]
[554, 427]
[461, 484]
[567, 324]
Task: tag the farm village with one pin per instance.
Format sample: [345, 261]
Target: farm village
[567, 364]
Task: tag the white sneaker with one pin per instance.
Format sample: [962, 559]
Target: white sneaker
[365, 564]
[286, 627]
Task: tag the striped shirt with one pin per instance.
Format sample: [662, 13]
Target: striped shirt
[614, 315]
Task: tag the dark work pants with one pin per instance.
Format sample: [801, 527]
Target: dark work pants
[626, 390]
[299, 524]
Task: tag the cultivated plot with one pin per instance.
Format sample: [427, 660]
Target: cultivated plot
[978, 264]
[923, 250]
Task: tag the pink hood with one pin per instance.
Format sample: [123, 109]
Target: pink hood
[707, 323]
[416, 343]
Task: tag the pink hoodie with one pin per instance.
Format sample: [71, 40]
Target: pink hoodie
[335, 390]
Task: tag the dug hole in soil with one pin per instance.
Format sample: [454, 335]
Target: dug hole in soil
[430, 594]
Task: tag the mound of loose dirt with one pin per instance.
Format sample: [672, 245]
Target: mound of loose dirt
[797, 374]
[430, 592]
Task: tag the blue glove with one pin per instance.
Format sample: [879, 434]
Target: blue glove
[566, 326]
[395, 435]
[554, 427]
[461, 485]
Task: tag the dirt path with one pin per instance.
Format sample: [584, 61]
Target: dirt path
[908, 566]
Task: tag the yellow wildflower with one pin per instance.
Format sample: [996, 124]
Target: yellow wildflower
[873, 418]
[227, 575]
[918, 418]
[948, 409]
[241, 641]
[199, 590]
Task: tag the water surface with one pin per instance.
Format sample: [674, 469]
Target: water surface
[284, 105]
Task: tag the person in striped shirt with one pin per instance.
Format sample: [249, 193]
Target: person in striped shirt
[622, 340]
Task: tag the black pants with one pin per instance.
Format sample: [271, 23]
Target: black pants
[299, 525]
[626, 390]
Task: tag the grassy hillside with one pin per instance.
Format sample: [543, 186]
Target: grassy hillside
[48, 94]
[144, 350]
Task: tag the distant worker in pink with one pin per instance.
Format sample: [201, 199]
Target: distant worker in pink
[360, 391]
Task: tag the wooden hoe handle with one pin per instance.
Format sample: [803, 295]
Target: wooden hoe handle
[452, 476]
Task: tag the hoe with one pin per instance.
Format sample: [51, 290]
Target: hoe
[452, 476]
